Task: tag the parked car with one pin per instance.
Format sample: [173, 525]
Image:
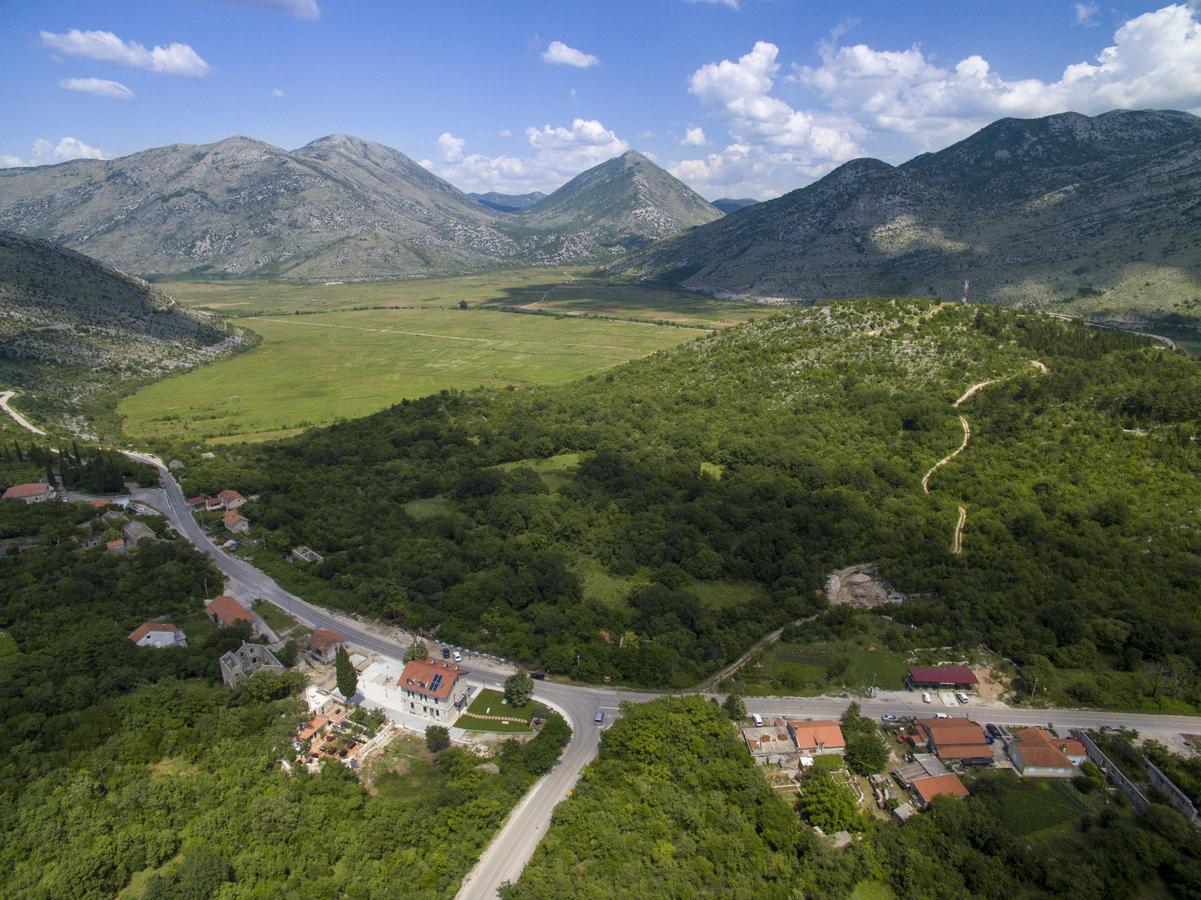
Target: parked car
[458, 656]
[888, 717]
[599, 718]
[446, 653]
[925, 696]
[961, 697]
[993, 731]
[942, 715]
[538, 676]
[757, 719]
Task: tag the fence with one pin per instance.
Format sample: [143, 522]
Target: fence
[1176, 798]
[1124, 784]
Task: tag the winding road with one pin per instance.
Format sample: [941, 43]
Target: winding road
[518, 837]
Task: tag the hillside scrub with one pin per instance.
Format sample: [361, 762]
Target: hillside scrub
[820, 423]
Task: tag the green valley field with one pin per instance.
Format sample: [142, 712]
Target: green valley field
[314, 369]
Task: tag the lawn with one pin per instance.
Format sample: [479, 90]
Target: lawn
[311, 370]
[816, 668]
[1031, 807]
[277, 620]
[489, 702]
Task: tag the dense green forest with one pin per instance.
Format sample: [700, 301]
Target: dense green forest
[612, 527]
[123, 763]
[675, 806]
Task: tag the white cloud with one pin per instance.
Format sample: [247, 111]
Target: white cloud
[1154, 61]
[277, 92]
[741, 92]
[559, 54]
[173, 59]
[646, 135]
[44, 153]
[558, 154]
[743, 170]
[732, 4]
[450, 148]
[301, 9]
[98, 86]
[1086, 13]
[694, 137]
[504, 132]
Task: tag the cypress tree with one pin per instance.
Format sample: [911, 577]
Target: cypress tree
[348, 678]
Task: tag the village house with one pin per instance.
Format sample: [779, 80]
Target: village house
[212, 504]
[116, 545]
[771, 744]
[158, 634]
[197, 502]
[136, 532]
[230, 499]
[818, 736]
[926, 789]
[235, 522]
[435, 689]
[953, 678]
[238, 665]
[35, 492]
[322, 645]
[957, 740]
[1037, 754]
[227, 611]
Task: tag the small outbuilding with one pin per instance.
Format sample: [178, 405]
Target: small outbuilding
[235, 522]
[322, 645]
[926, 789]
[136, 533]
[238, 665]
[158, 634]
[227, 611]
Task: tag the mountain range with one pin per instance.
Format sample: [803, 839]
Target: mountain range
[1099, 215]
[507, 202]
[339, 207]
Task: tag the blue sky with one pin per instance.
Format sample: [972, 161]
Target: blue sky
[737, 97]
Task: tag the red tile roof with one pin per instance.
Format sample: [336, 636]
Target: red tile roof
[939, 786]
[142, 630]
[312, 728]
[115, 543]
[944, 675]
[321, 640]
[99, 504]
[818, 734]
[228, 496]
[956, 738]
[232, 517]
[198, 500]
[420, 674]
[228, 610]
[21, 491]
[1037, 748]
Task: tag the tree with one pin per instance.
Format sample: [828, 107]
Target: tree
[829, 805]
[518, 688]
[866, 753]
[437, 738]
[288, 653]
[734, 707]
[415, 651]
[348, 678]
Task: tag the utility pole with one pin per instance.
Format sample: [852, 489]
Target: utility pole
[966, 285]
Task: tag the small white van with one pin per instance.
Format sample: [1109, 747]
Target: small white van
[757, 719]
[961, 697]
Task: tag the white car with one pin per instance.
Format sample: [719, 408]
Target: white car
[942, 715]
[961, 697]
[888, 717]
[458, 656]
[925, 697]
[757, 719]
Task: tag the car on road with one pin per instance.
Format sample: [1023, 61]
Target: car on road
[458, 656]
[599, 718]
[538, 676]
[888, 717]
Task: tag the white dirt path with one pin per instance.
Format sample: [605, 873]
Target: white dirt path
[6, 396]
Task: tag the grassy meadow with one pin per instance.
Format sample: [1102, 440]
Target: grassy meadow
[313, 369]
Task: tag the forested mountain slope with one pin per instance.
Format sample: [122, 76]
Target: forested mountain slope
[1094, 215]
[651, 523]
[70, 326]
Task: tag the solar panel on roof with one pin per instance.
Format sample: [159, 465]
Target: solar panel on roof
[437, 681]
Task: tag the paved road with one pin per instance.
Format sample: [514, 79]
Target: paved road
[515, 843]
[5, 396]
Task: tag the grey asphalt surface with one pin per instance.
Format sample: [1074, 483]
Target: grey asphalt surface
[518, 838]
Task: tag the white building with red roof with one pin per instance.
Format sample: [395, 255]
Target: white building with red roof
[34, 492]
[158, 634]
[434, 689]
